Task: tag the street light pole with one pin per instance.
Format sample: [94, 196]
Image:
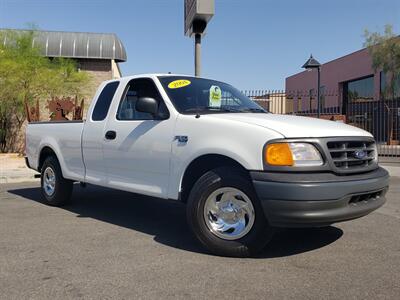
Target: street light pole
[197, 54]
[318, 93]
[197, 15]
[310, 64]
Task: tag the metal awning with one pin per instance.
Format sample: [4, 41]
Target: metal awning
[78, 44]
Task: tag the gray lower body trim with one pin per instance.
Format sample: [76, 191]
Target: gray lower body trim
[305, 203]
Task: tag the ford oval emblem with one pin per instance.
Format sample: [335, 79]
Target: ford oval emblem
[360, 154]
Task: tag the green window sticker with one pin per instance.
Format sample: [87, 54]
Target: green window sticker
[215, 96]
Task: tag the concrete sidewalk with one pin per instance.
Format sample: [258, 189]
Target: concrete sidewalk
[13, 169]
[392, 168]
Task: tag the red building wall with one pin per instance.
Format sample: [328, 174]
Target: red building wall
[333, 74]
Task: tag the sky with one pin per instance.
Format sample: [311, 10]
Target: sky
[252, 44]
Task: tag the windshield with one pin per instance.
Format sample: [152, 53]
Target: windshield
[191, 95]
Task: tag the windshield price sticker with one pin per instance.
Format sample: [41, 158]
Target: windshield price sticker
[177, 84]
[215, 96]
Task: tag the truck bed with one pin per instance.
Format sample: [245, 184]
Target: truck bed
[65, 138]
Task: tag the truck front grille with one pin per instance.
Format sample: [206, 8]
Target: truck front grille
[352, 155]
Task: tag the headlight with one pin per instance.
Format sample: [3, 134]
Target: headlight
[292, 154]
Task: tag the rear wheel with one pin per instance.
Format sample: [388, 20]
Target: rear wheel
[56, 190]
[225, 214]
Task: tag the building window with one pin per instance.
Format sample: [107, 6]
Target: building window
[360, 90]
[384, 88]
[382, 83]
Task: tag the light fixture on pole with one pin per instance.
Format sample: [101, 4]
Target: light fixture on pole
[197, 14]
[310, 64]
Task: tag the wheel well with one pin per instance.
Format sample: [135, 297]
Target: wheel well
[46, 152]
[200, 166]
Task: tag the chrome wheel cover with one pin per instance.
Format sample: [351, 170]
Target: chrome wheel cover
[49, 181]
[229, 213]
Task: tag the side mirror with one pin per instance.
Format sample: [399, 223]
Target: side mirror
[147, 105]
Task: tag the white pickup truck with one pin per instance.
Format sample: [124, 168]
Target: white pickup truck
[241, 170]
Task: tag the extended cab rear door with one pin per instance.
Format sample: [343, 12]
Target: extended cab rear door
[93, 134]
[138, 147]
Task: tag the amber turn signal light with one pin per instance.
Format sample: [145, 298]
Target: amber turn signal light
[279, 155]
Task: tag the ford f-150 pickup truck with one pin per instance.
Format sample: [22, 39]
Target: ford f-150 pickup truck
[241, 170]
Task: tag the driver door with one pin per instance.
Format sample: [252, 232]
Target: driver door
[137, 156]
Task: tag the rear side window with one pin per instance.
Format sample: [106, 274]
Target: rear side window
[103, 102]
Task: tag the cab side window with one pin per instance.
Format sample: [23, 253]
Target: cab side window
[104, 100]
[136, 89]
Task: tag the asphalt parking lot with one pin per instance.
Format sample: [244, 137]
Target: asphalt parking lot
[110, 244]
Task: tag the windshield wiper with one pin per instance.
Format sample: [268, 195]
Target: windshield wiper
[211, 108]
[254, 110]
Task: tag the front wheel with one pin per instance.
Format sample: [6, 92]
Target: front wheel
[226, 215]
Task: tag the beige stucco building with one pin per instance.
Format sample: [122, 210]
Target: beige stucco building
[99, 54]
[275, 102]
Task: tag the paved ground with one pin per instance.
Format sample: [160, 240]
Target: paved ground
[110, 244]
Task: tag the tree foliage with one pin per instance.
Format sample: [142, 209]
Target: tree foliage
[26, 76]
[385, 53]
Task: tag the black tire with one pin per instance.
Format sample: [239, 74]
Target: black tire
[249, 244]
[62, 187]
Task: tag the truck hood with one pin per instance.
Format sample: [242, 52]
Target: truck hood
[295, 126]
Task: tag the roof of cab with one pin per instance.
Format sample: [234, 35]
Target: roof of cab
[152, 75]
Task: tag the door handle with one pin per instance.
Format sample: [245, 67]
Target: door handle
[111, 135]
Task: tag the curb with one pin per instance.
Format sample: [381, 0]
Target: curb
[5, 180]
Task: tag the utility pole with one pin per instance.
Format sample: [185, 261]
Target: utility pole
[197, 54]
[311, 64]
[197, 15]
[318, 92]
